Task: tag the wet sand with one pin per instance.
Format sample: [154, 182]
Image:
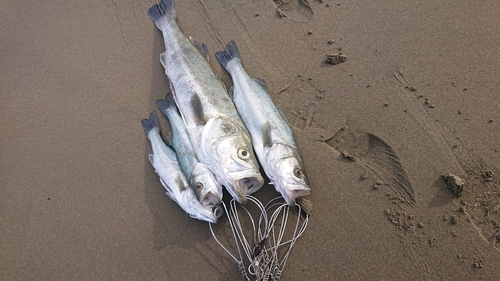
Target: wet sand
[79, 199]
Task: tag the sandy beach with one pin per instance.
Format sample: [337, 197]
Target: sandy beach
[416, 98]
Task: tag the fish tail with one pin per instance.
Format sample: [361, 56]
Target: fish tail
[167, 104]
[150, 124]
[159, 12]
[231, 52]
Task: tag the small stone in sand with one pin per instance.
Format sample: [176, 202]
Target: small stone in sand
[454, 183]
[478, 265]
[453, 219]
[488, 175]
[335, 58]
[377, 184]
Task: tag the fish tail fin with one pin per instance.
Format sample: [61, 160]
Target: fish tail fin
[150, 124]
[169, 109]
[162, 11]
[167, 104]
[231, 52]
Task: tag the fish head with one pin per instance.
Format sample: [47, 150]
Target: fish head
[195, 209]
[287, 173]
[234, 162]
[208, 190]
[240, 168]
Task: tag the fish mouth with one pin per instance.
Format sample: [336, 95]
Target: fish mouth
[243, 183]
[209, 214]
[250, 184]
[291, 194]
[217, 211]
[209, 199]
[212, 213]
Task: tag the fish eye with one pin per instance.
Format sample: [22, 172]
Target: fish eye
[199, 185]
[298, 172]
[243, 153]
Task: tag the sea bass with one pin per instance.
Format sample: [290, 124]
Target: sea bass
[166, 165]
[217, 133]
[207, 188]
[271, 133]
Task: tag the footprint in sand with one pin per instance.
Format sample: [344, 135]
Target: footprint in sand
[296, 10]
[376, 155]
[307, 96]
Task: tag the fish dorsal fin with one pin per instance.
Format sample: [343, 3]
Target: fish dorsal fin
[282, 113]
[165, 185]
[266, 135]
[198, 109]
[163, 59]
[151, 158]
[167, 188]
[201, 47]
[222, 83]
[231, 92]
[168, 139]
[261, 82]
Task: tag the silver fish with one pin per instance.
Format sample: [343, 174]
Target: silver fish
[207, 188]
[271, 133]
[166, 165]
[217, 133]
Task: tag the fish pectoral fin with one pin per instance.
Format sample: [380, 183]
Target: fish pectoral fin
[180, 183]
[198, 110]
[282, 113]
[266, 135]
[201, 47]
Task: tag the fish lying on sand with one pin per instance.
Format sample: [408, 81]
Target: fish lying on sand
[166, 165]
[207, 188]
[271, 133]
[217, 133]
